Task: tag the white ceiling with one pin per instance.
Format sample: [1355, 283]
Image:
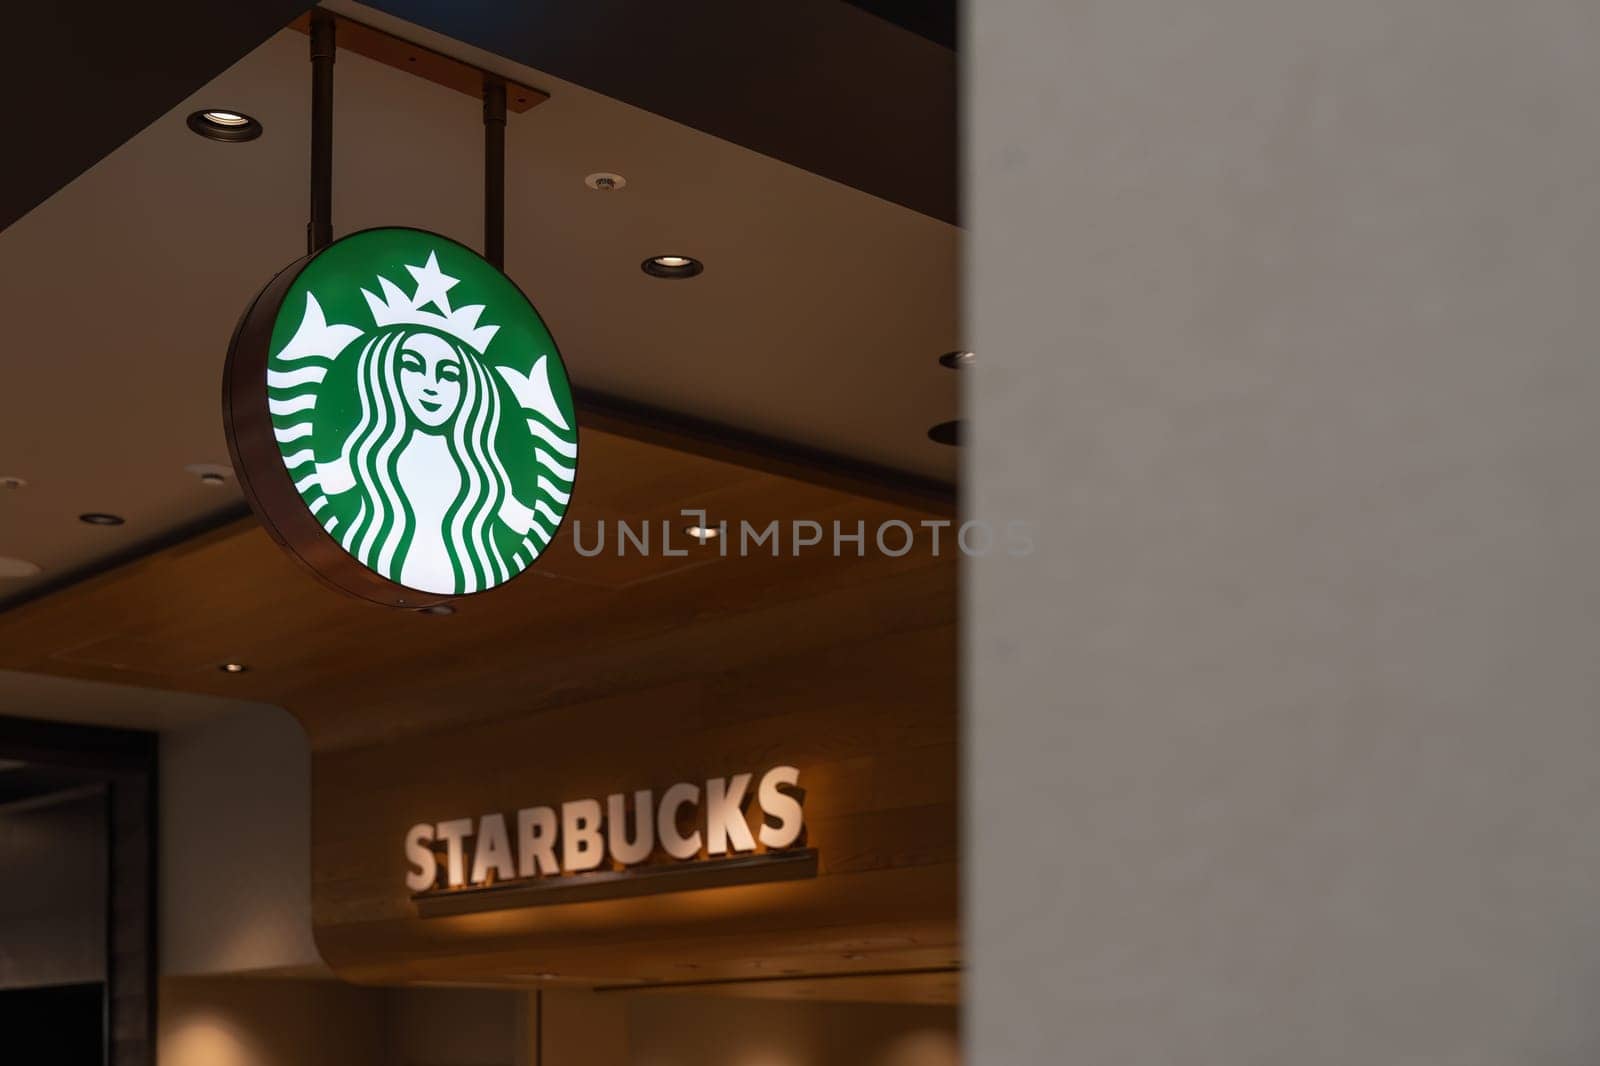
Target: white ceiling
[818, 319]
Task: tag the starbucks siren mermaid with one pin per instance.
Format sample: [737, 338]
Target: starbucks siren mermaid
[431, 498]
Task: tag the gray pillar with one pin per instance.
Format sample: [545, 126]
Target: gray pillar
[1285, 744]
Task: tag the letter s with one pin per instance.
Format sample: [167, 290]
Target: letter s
[780, 805]
[419, 855]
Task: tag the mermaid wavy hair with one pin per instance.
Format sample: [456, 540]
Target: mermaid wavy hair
[382, 530]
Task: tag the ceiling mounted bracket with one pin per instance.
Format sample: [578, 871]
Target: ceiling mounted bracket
[369, 42]
[499, 97]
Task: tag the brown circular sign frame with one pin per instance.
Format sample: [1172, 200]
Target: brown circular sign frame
[258, 464]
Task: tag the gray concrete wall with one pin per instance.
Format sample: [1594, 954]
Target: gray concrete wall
[1285, 746]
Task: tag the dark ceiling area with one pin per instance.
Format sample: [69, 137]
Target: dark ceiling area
[862, 93]
[823, 85]
[93, 73]
[937, 20]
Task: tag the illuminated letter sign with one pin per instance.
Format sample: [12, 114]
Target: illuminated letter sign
[400, 418]
[589, 848]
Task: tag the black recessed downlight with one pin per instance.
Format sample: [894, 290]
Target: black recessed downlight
[438, 609]
[957, 360]
[232, 668]
[946, 433]
[219, 124]
[100, 518]
[671, 266]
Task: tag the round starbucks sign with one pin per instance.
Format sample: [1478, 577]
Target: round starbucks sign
[400, 418]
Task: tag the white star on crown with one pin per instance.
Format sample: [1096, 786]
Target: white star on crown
[395, 308]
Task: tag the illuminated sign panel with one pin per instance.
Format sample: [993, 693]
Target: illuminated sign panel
[699, 825]
[401, 419]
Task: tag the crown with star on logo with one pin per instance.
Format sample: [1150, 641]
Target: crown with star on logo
[395, 308]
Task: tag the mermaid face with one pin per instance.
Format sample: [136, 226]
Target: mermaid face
[430, 379]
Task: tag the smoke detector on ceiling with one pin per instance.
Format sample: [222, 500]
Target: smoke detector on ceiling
[213, 474]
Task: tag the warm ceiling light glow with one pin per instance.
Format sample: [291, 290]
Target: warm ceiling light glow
[221, 124]
[703, 533]
[233, 668]
[957, 360]
[100, 518]
[672, 266]
[10, 567]
[9, 482]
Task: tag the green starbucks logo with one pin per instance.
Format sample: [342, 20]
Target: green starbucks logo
[421, 411]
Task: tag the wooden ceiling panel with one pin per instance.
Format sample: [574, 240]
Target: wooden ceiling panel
[575, 628]
[589, 676]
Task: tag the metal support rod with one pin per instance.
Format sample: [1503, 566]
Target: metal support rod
[319, 231]
[494, 171]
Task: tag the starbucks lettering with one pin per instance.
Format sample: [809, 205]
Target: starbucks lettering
[688, 826]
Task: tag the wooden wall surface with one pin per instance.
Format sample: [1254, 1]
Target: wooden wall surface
[588, 676]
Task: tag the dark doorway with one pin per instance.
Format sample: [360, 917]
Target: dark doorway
[77, 893]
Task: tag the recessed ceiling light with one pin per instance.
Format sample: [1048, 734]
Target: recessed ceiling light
[233, 668]
[605, 181]
[219, 124]
[13, 483]
[17, 567]
[957, 360]
[703, 533]
[671, 266]
[212, 474]
[946, 433]
[100, 518]
[439, 609]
